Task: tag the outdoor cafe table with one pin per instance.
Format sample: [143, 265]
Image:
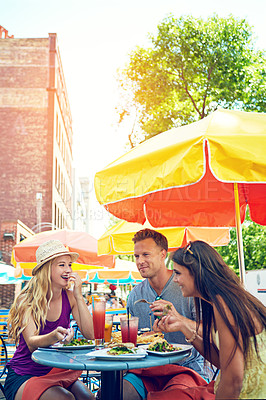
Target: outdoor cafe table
[111, 371]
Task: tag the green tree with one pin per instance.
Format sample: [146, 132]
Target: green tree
[192, 67]
[254, 242]
[255, 84]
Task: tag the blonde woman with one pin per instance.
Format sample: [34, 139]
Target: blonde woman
[40, 317]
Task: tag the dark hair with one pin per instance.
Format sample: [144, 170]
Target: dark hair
[214, 278]
[158, 237]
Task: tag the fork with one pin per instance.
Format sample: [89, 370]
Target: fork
[142, 301]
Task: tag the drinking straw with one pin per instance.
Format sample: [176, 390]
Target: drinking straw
[128, 323]
[92, 302]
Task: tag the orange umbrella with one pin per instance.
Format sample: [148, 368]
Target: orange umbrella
[24, 253]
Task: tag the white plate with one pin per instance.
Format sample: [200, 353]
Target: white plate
[103, 355]
[79, 347]
[183, 347]
[143, 344]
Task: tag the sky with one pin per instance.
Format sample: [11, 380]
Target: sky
[95, 38]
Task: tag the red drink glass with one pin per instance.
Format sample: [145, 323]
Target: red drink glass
[98, 315]
[129, 329]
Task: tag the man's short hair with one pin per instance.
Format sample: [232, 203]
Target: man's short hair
[158, 237]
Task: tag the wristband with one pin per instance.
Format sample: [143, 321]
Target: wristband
[193, 337]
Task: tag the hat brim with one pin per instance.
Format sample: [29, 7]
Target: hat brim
[74, 257]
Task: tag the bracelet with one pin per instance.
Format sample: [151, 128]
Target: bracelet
[193, 337]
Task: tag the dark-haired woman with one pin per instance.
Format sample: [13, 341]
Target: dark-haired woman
[231, 333]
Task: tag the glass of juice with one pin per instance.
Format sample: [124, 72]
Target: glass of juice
[108, 327]
[129, 329]
[98, 315]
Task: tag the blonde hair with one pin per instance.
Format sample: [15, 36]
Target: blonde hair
[33, 301]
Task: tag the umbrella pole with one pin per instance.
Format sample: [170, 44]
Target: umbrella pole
[240, 250]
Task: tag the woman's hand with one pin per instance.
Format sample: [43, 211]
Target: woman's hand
[169, 323]
[69, 336]
[77, 284]
[79, 309]
[161, 308]
[58, 334]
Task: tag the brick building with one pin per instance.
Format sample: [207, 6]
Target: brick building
[35, 135]
[11, 233]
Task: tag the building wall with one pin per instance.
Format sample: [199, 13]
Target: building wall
[11, 233]
[80, 204]
[23, 129]
[62, 161]
[32, 94]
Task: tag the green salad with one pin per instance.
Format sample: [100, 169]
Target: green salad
[162, 346]
[79, 342]
[117, 350]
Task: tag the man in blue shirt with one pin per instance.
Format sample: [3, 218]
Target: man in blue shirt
[150, 252]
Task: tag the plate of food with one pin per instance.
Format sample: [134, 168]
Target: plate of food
[120, 351]
[75, 344]
[160, 347]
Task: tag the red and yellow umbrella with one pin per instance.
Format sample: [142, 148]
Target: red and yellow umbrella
[24, 253]
[201, 174]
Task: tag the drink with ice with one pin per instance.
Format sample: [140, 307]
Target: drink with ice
[108, 328]
[98, 315]
[129, 329]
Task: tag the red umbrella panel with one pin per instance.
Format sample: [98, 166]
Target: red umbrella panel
[24, 253]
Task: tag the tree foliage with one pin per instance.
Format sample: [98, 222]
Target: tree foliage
[254, 242]
[192, 67]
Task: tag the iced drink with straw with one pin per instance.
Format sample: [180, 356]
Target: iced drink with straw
[129, 329]
[98, 315]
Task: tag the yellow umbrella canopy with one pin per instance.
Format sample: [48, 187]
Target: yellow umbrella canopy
[201, 174]
[118, 239]
[194, 165]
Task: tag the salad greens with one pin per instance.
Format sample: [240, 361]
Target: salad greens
[117, 350]
[79, 342]
[162, 346]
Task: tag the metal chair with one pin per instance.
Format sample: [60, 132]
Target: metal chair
[3, 362]
[92, 380]
[3, 356]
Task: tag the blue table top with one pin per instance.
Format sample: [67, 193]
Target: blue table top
[79, 360]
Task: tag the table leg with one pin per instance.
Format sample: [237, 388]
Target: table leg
[112, 385]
